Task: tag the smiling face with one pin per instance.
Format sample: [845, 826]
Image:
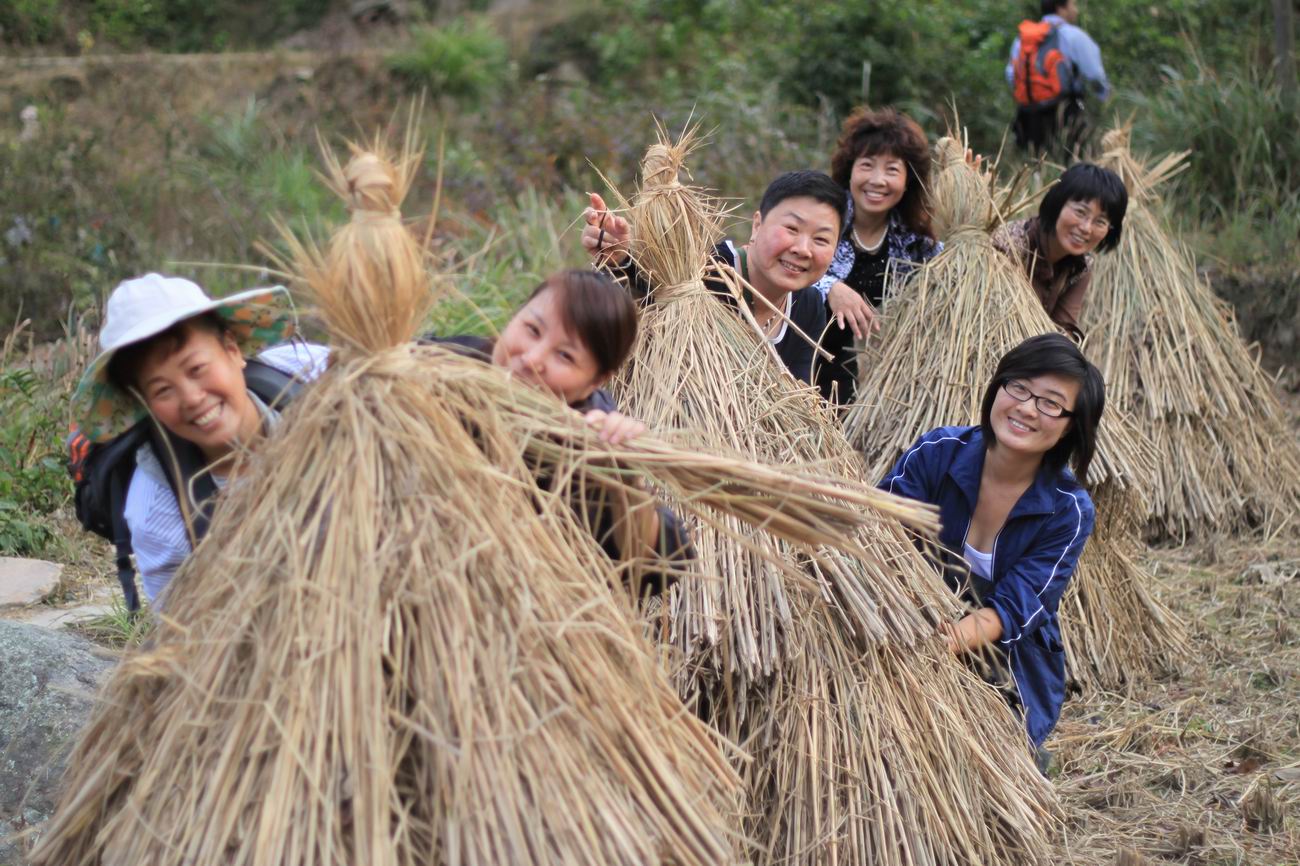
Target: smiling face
[538, 347]
[197, 391]
[877, 183]
[1022, 427]
[1080, 227]
[791, 247]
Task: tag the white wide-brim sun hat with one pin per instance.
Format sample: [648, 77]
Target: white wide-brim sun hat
[147, 306]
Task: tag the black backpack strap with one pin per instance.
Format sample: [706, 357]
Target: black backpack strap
[122, 542]
[183, 464]
[275, 388]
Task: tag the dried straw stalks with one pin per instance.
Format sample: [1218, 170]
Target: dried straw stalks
[871, 744]
[983, 304]
[1171, 353]
[393, 647]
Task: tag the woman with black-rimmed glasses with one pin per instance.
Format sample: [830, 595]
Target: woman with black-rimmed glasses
[1014, 517]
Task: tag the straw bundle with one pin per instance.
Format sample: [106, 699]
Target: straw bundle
[982, 302]
[393, 647]
[1171, 353]
[1100, 643]
[870, 742]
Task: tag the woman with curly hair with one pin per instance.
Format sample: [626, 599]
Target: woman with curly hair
[883, 161]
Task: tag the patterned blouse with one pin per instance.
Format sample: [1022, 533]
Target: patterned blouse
[906, 247]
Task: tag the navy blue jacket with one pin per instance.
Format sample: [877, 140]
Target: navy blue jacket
[1034, 555]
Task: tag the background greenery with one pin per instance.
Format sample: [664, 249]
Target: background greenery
[148, 164]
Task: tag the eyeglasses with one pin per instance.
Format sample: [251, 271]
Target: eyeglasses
[1083, 214]
[1020, 392]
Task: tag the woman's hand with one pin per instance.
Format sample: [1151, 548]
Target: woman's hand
[972, 631]
[614, 427]
[848, 306]
[606, 235]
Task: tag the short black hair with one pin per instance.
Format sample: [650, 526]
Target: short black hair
[124, 366]
[1086, 182]
[1049, 7]
[806, 183]
[1054, 353]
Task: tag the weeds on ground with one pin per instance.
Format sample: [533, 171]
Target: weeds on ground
[118, 628]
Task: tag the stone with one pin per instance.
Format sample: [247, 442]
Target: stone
[61, 617]
[26, 581]
[48, 680]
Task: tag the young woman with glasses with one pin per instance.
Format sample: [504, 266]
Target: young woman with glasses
[1014, 517]
[1083, 212]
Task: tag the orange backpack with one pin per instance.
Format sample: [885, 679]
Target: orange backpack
[1043, 74]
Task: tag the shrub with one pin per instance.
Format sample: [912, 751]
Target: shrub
[1245, 151]
[462, 60]
[33, 483]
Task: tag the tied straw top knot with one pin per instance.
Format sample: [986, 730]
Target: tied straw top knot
[662, 166]
[372, 187]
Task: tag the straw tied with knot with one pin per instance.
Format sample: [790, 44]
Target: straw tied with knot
[434, 663]
[870, 742]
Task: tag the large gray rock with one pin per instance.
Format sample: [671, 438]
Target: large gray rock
[47, 684]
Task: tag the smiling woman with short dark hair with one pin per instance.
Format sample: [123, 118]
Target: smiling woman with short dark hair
[1082, 213]
[1013, 517]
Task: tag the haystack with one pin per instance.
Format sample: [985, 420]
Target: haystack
[1172, 356]
[870, 743]
[394, 646]
[944, 331]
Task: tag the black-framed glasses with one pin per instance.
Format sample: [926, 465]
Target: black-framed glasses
[1020, 392]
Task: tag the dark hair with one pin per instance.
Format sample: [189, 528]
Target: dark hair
[887, 131]
[124, 366]
[1049, 7]
[805, 183]
[1087, 182]
[598, 311]
[1054, 353]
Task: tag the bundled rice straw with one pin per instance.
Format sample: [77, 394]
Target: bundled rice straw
[1172, 355]
[982, 304]
[393, 646]
[871, 743]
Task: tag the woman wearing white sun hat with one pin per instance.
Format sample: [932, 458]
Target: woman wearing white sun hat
[170, 351]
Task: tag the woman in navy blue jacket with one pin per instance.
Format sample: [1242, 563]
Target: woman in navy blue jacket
[1013, 513]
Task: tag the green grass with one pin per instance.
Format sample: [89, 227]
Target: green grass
[118, 628]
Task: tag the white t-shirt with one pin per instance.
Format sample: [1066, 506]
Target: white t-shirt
[158, 535]
[981, 563]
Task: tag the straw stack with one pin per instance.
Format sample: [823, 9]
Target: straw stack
[870, 743]
[394, 646]
[1171, 353]
[943, 334]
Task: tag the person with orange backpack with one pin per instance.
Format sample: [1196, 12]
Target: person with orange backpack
[1054, 64]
